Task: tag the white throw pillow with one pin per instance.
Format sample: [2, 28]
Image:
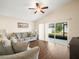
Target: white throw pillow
[7, 47]
[6, 42]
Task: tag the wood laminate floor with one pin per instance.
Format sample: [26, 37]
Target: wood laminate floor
[51, 50]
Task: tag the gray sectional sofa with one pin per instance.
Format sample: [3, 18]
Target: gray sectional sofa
[28, 54]
[24, 36]
[11, 46]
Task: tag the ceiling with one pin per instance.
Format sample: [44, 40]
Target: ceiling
[19, 8]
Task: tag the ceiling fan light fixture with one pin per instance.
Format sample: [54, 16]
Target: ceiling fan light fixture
[39, 8]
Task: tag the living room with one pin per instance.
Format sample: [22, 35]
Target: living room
[38, 27]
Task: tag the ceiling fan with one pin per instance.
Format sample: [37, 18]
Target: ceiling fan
[39, 8]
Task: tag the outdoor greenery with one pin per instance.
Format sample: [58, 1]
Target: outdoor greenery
[59, 27]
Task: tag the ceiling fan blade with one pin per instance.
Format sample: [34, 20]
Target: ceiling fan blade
[42, 11]
[37, 4]
[35, 12]
[44, 7]
[32, 8]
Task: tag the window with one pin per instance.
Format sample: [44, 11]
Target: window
[58, 30]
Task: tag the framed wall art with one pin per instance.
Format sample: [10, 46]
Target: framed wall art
[22, 25]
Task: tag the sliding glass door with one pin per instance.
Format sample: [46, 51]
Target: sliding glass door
[58, 31]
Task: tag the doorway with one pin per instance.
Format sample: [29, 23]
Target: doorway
[41, 31]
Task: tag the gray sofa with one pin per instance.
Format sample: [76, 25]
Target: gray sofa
[28, 54]
[24, 36]
[14, 49]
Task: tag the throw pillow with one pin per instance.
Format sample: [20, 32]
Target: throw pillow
[2, 50]
[5, 47]
[13, 40]
[5, 44]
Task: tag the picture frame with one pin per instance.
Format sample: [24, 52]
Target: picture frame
[22, 25]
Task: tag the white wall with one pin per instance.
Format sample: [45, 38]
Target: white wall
[10, 24]
[69, 12]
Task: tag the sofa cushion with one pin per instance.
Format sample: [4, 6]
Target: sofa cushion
[5, 50]
[19, 46]
[28, 54]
